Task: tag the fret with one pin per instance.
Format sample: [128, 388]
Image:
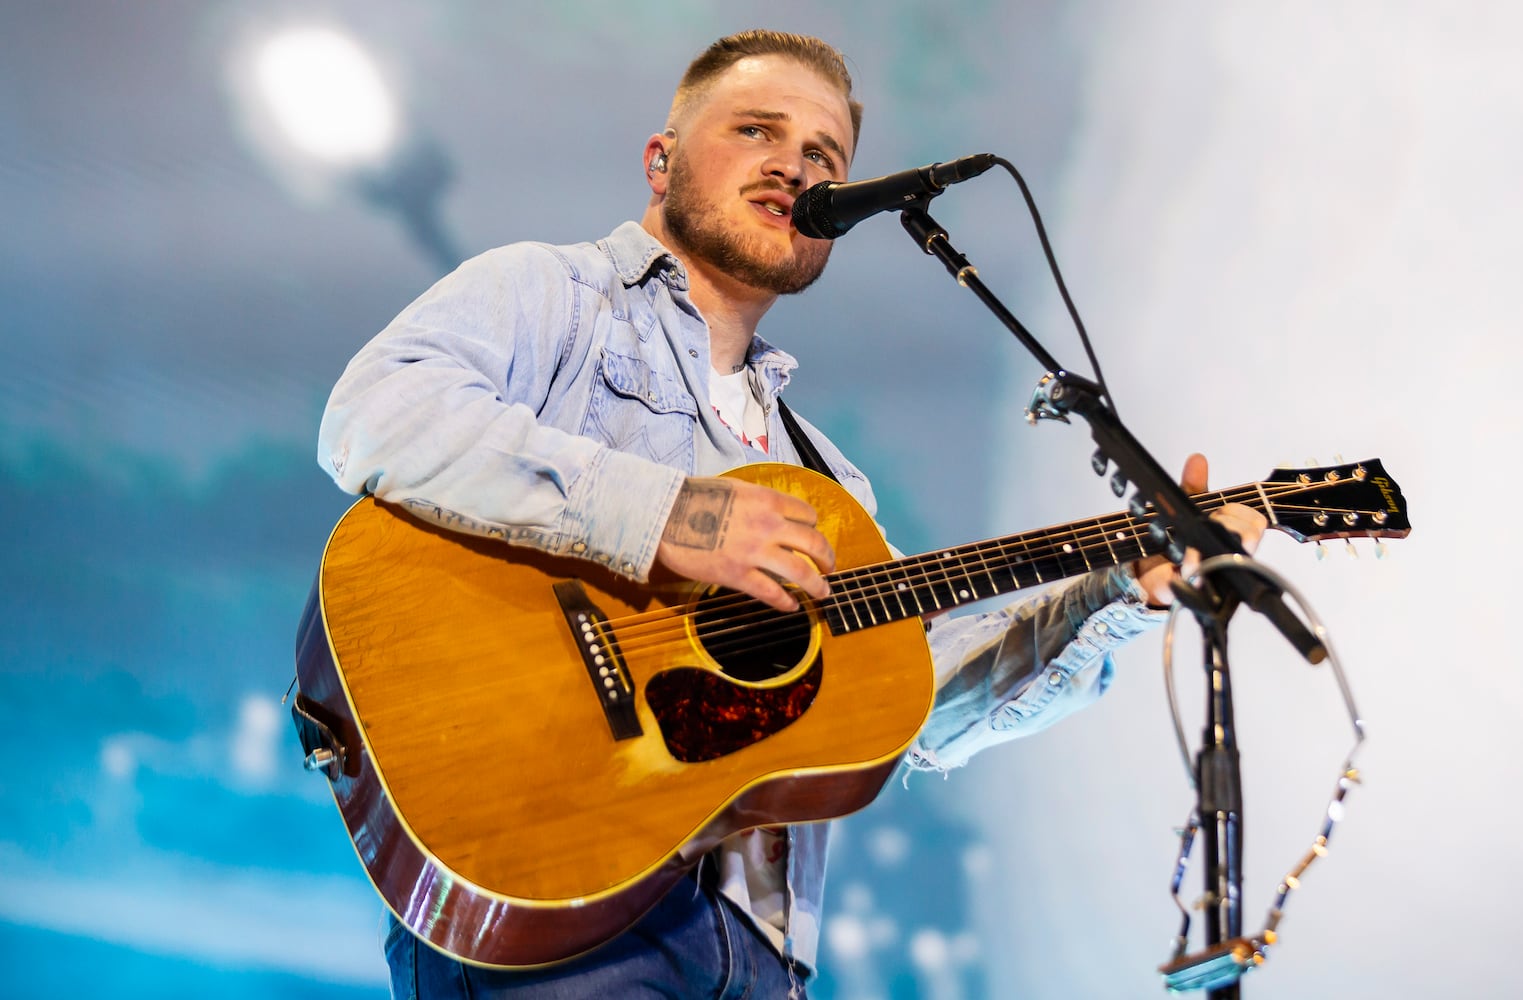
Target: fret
[834, 619]
[970, 592]
[1134, 537]
[1025, 559]
[1069, 561]
[1012, 564]
[992, 562]
[914, 584]
[1083, 549]
[856, 612]
[1016, 583]
[1105, 536]
[897, 588]
[881, 593]
[909, 586]
[888, 601]
[942, 591]
[913, 588]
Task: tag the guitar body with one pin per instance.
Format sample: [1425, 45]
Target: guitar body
[488, 791]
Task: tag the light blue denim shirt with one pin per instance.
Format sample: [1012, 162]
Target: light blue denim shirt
[557, 396]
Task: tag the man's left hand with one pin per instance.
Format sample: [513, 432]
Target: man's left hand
[1155, 573]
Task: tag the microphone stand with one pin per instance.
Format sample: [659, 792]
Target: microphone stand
[1177, 524]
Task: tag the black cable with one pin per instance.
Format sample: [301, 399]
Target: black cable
[1057, 277]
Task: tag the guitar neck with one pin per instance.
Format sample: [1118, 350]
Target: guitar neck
[936, 581]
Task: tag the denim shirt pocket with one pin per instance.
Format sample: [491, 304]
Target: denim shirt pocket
[641, 411]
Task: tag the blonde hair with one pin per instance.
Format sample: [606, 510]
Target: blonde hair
[818, 55]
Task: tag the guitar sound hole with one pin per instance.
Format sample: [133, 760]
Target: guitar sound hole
[749, 640]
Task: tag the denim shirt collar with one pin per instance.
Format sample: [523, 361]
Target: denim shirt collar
[774, 364]
[635, 254]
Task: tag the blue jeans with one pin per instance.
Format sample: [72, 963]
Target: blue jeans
[694, 943]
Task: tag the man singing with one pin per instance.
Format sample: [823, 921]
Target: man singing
[582, 400]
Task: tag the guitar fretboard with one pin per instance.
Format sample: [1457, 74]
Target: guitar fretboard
[935, 581]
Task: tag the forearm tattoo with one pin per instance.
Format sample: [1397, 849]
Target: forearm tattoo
[701, 515]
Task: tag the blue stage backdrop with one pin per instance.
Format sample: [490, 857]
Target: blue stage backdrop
[1293, 233]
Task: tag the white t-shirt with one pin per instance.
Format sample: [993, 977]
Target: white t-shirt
[734, 399]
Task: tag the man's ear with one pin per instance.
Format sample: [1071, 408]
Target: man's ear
[657, 162]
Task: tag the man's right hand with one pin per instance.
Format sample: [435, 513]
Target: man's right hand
[748, 538]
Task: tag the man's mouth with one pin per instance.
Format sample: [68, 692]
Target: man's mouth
[771, 198]
[775, 203]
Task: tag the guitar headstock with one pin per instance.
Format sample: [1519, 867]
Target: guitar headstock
[1356, 500]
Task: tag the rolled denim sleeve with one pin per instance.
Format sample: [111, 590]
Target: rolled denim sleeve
[438, 414]
[1016, 671]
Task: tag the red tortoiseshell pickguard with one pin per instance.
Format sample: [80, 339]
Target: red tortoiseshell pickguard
[704, 715]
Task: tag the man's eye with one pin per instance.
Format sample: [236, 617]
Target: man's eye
[821, 158]
[755, 131]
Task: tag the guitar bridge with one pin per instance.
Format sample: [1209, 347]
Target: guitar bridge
[599, 649]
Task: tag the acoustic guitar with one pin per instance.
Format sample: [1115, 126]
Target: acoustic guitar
[528, 750]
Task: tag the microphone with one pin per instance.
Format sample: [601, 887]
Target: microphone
[830, 208]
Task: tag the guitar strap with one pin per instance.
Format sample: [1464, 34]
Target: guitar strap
[801, 443]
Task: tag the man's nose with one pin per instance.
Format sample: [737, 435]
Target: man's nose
[787, 167]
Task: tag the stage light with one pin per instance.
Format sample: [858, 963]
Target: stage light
[315, 107]
[327, 96]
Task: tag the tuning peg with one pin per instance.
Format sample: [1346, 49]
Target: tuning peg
[1321, 552]
[1352, 549]
[1098, 462]
[1175, 552]
[1118, 483]
[1159, 532]
[1312, 463]
[1380, 549]
[1137, 506]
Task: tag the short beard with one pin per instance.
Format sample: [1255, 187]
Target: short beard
[690, 221]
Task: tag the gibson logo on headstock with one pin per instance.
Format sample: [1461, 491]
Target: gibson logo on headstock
[1384, 486]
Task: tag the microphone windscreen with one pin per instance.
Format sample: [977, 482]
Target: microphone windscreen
[811, 213]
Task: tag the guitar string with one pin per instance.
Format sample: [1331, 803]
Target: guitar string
[1093, 536]
[855, 591]
[850, 585]
[783, 630]
[793, 628]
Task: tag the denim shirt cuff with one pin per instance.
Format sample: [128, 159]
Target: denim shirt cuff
[1082, 671]
[1010, 693]
[1101, 633]
[610, 511]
